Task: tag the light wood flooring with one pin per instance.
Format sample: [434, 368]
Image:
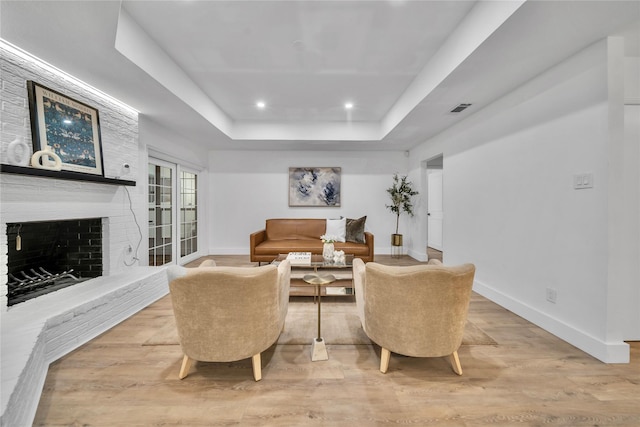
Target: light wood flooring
[434, 253]
[530, 378]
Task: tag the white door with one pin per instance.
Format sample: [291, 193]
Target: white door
[173, 213]
[434, 206]
[162, 224]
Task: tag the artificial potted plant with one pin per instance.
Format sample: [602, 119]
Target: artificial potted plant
[400, 192]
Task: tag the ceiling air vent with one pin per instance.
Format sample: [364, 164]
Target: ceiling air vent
[460, 107]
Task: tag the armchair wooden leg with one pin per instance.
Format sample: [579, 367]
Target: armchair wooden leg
[384, 360]
[186, 365]
[256, 362]
[455, 363]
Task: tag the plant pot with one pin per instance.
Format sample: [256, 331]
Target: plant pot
[396, 240]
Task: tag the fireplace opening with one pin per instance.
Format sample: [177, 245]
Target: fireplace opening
[50, 255]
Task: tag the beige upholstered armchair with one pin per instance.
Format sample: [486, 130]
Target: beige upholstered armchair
[418, 311]
[225, 314]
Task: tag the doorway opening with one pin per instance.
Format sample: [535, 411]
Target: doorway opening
[173, 213]
[435, 210]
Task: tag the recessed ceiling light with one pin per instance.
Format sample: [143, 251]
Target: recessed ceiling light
[261, 104]
[348, 105]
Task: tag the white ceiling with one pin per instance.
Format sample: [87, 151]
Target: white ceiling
[198, 67]
[304, 58]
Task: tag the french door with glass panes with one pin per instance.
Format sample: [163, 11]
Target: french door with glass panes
[173, 211]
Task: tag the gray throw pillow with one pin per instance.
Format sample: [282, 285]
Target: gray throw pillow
[355, 230]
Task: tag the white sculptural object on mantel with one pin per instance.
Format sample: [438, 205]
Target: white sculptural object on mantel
[46, 159]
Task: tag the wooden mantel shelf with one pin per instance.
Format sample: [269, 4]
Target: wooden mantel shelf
[68, 175]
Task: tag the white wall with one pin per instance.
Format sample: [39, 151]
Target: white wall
[631, 167]
[248, 187]
[29, 198]
[162, 143]
[37, 332]
[510, 207]
[171, 145]
[631, 248]
[623, 212]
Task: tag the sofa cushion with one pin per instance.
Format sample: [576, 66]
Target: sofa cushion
[284, 246]
[357, 249]
[295, 228]
[336, 228]
[355, 230]
[274, 247]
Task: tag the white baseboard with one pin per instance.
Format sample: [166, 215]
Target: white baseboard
[229, 251]
[607, 352]
[418, 256]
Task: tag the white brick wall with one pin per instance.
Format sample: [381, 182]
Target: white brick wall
[41, 330]
[27, 198]
[37, 332]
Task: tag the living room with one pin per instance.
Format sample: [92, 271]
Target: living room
[510, 204]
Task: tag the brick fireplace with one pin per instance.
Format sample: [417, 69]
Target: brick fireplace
[33, 200]
[45, 256]
[42, 329]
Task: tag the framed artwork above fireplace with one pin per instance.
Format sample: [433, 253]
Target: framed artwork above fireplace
[70, 128]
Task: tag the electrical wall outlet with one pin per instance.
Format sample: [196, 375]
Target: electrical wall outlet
[552, 295]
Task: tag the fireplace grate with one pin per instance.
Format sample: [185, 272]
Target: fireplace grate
[44, 256]
[26, 285]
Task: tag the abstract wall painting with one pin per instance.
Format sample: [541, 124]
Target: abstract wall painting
[317, 187]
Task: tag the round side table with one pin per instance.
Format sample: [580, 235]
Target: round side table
[318, 347]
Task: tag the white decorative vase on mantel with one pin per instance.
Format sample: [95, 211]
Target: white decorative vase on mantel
[327, 251]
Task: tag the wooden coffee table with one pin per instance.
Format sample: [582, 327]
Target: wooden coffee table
[343, 273]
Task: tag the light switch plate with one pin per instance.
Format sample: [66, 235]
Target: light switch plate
[582, 180]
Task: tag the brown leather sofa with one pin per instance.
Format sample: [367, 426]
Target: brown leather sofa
[284, 235]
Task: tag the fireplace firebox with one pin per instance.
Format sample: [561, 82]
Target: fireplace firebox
[49, 255]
